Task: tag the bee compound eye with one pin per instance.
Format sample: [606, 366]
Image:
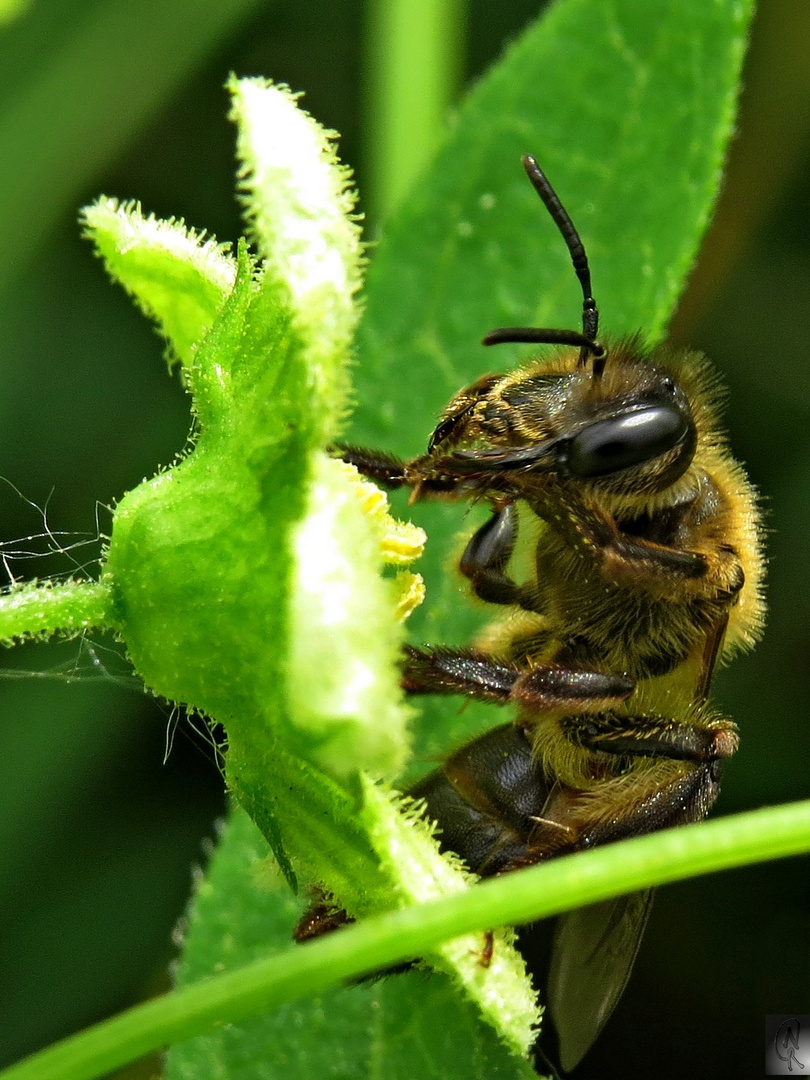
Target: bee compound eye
[620, 442]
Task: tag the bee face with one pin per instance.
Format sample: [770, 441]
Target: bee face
[629, 431]
[637, 441]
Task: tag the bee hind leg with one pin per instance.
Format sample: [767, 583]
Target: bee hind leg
[701, 740]
[672, 793]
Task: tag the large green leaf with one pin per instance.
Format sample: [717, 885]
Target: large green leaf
[629, 108]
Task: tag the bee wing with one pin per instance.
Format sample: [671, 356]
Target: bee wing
[711, 651]
[592, 956]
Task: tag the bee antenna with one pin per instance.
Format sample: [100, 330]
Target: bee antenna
[588, 345]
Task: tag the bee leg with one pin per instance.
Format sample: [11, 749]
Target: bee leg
[653, 736]
[672, 571]
[670, 793]
[319, 919]
[545, 686]
[322, 918]
[488, 951]
[392, 472]
[634, 561]
[384, 468]
[680, 786]
[486, 556]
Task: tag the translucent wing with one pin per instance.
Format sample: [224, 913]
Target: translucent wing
[593, 954]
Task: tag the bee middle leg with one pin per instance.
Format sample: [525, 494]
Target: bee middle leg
[484, 678]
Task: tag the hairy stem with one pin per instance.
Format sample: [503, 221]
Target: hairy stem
[40, 610]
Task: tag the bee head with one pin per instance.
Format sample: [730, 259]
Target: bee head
[628, 431]
[610, 420]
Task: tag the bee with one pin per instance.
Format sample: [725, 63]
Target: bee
[645, 571]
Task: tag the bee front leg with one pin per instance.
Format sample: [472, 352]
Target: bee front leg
[383, 468]
[476, 675]
[634, 561]
[392, 472]
[487, 554]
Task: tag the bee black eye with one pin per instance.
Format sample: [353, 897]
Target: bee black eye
[608, 446]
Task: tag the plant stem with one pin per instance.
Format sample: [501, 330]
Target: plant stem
[39, 610]
[377, 943]
[413, 59]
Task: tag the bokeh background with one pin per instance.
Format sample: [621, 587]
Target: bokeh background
[108, 798]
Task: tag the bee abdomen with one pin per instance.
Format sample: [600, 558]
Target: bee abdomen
[487, 797]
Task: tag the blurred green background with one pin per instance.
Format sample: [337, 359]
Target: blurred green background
[107, 797]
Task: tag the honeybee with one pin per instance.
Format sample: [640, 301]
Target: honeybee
[645, 572]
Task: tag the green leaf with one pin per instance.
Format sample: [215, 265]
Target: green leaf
[501, 988]
[299, 203]
[394, 1028]
[177, 276]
